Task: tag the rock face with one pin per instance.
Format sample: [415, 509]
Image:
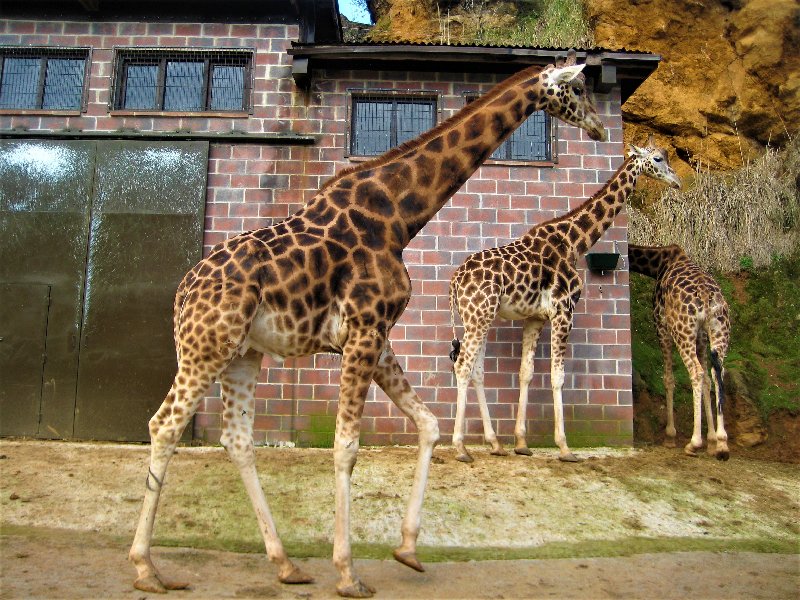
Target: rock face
[728, 84]
[729, 81]
[748, 428]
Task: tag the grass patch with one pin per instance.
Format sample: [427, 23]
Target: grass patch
[585, 549]
[765, 345]
[765, 348]
[553, 23]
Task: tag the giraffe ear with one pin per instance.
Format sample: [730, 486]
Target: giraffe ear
[651, 142]
[635, 150]
[566, 74]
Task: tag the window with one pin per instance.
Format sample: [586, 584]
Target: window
[183, 81]
[380, 122]
[42, 78]
[530, 141]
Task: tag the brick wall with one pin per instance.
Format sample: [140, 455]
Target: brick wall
[499, 203]
[253, 185]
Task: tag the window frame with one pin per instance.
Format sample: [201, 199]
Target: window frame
[354, 94]
[160, 57]
[551, 126]
[44, 54]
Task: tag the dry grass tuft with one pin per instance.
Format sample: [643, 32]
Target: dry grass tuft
[730, 221]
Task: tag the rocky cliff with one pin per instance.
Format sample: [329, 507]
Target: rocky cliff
[728, 84]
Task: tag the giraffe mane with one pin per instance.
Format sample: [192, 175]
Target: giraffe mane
[462, 114]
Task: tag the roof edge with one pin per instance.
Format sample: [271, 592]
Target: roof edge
[607, 68]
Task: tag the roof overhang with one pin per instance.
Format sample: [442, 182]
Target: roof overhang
[318, 19]
[606, 68]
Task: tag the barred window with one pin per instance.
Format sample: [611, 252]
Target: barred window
[183, 81]
[382, 121]
[529, 142]
[42, 78]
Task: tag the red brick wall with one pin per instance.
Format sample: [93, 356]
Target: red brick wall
[253, 185]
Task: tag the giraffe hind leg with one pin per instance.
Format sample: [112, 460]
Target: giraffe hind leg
[560, 325]
[718, 373]
[238, 389]
[166, 427]
[391, 379]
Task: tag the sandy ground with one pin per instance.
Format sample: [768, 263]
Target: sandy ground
[69, 510]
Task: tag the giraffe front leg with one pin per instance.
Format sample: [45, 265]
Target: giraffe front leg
[561, 326]
[238, 388]
[530, 336]
[359, 361]
[389, 376]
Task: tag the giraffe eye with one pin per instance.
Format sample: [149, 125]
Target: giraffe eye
[657, 158]
[578, 91]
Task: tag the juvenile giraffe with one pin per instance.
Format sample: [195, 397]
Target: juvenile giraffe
[534, 278]
[331, 278]
[689, 309]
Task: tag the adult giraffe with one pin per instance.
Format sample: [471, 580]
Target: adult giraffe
[331, 278]
[534, 278]
[689, 310]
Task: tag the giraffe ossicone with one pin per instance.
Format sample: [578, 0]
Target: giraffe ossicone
[690, 311]
[534, 279]
[330, 278]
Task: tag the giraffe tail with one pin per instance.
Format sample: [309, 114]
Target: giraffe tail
[456, 345]
[716, 364]
[456, 350]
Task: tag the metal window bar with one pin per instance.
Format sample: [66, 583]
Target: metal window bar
[382, 120]
[43, 78]
[183, 80]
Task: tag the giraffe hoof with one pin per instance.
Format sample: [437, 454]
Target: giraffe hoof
[409, 559]
[689, 450]
[525, 451]
[465, 458]
[156, 585]
[357, 589]
[669, 442]
[570, 457]
[499, 452]
[296, 576]
[723, 455]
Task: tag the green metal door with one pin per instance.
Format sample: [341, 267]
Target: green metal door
[45, 192]
[108, 229]
[146, 232]
[23, 332]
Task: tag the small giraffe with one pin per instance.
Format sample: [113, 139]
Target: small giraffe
[689, 309]
[534, 278]
[331, 278]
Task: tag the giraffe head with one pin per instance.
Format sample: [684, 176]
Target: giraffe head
[569, 99]
[654, 162]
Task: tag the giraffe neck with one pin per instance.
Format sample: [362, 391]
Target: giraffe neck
[584, 225]
[409, 184]
[652, 261]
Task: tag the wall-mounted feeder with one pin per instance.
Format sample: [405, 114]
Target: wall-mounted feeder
[598, 262]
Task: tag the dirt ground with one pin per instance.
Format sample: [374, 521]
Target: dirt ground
[625, 523]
